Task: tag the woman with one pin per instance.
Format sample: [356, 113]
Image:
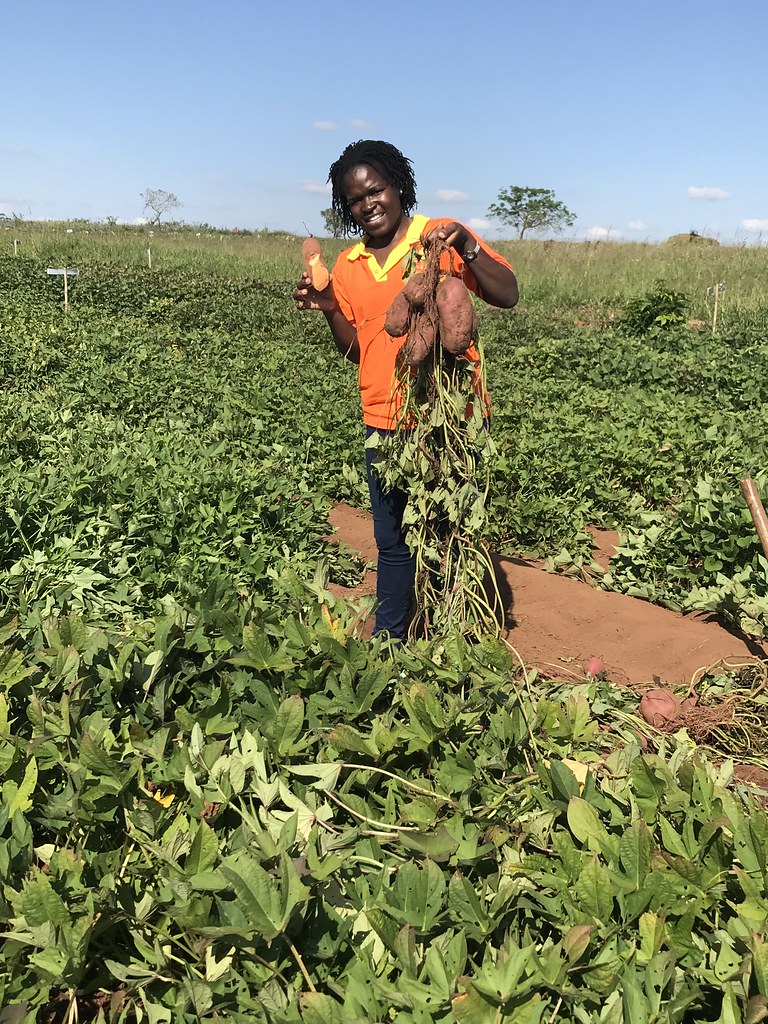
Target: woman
[374, 194]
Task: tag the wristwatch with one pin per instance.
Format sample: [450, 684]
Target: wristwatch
[472, 254]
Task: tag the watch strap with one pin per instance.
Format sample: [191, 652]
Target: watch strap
[472, 254]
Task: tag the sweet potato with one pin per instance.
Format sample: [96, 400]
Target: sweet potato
[312, 255]
[660, 706]
[412, 297]
[415, 291]
[418, 344]
[458, 323]
[396, 323]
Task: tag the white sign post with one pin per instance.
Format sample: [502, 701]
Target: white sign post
[66, 272]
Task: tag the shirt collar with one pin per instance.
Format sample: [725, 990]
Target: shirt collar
[409, 239]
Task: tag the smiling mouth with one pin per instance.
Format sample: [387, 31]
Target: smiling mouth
[374, 218]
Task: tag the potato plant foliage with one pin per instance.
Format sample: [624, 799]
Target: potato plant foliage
[219, 804]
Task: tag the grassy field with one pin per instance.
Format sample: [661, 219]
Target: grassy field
[561, 273]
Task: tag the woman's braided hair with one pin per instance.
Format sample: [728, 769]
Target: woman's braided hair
[387, 161]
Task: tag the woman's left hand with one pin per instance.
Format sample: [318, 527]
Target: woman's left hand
[453, 234]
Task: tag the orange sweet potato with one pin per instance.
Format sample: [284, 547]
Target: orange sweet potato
[312, 255]
[458, 323]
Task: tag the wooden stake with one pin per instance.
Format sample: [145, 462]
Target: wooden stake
[15, 247]
[714, 313]
[66, 291]
[757, 511]
[149, 257]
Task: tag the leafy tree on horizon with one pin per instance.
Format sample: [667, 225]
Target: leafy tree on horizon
[530, 209]
[332, 221]
[158, 201]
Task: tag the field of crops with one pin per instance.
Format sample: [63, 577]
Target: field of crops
[218, 802]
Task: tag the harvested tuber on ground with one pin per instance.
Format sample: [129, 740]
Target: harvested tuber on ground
[312, 255]
[660, 706]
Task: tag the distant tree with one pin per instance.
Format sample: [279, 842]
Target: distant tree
[333, 224]
[530, 209]
[158, 201]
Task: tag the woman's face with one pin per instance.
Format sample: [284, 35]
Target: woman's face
[373, 202]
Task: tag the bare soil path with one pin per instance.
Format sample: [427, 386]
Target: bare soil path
[558, 624]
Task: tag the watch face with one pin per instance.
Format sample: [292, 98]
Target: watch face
[472, 254]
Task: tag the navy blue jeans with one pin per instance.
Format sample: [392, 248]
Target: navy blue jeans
[396, 569]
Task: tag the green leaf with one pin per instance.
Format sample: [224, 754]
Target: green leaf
[208, 881]
[204, 850]
[317, 1008]
[258, 895]
[576, 940]
[97, 760]
[730, 1012]
[565, 785]
[594, 891]
[12, 668]
[759, 951]
[439, 846]
[288, 723]
[651, 928]
[22, 799]
[326, 774]
[471, 1007]
[585, 824]
[417, 895]
[635, 853]
[259, 653]
[465, 906]
[501, 980]
[40, 904]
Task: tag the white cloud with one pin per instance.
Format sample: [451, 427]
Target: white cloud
[451, 195]
[325, 126]
[317, 188]
[600, 234]
[755, 224]
[478, 224]
[356, 122]
[138, 221]
[6, 209]
[700, 192]
[636, 225]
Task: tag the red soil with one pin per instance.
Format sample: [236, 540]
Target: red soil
[558, 624]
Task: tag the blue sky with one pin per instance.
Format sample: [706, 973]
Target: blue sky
[646, 119]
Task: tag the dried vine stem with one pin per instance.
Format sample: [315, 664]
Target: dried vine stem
[439, 455]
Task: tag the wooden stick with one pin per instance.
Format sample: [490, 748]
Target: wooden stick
[714, 314]
[757, 511]
[66, 293]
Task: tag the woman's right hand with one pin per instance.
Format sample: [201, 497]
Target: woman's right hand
[307, 297]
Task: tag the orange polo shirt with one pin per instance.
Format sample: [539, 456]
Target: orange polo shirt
[365, 290]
